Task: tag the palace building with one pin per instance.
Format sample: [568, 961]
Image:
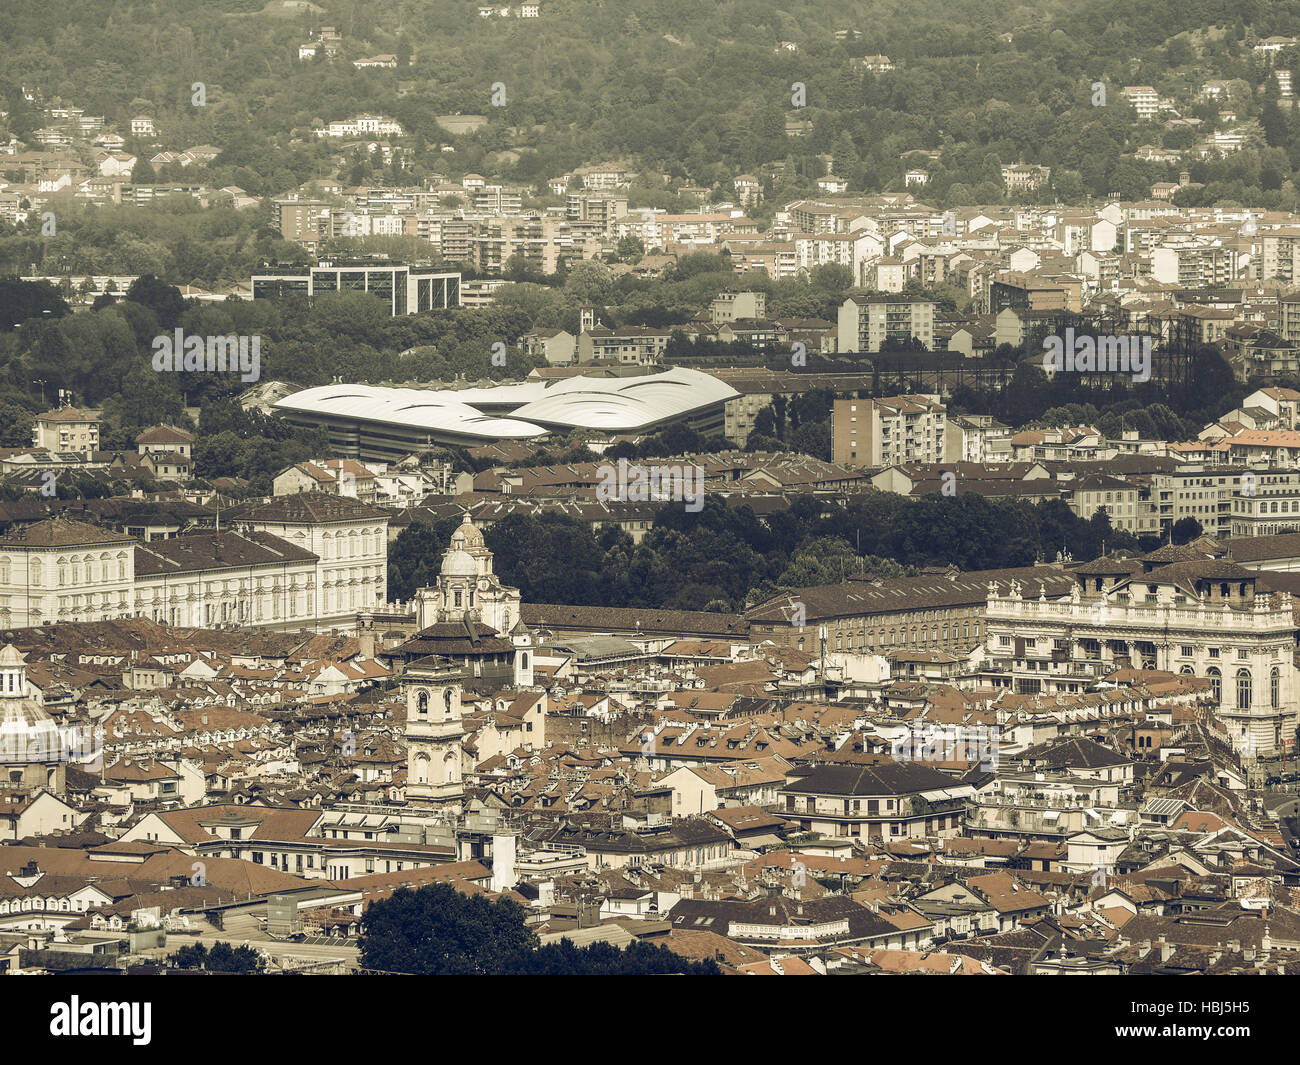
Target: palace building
[1200, 616]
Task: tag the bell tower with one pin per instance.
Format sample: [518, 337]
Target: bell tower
[434, 732]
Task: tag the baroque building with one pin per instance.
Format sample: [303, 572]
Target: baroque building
[64, 570]
[469, 617]
[1204, 617]
[466, 588]
[349, 540]
[33, 749]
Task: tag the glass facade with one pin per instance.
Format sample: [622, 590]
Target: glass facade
[405, 290]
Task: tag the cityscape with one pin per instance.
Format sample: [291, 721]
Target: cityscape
[590, 488]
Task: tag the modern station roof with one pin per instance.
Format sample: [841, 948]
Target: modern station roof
[520, 411]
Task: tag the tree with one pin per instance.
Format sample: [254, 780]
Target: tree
[630, 248]
[163, 299]
[1185, 530]
[23, 300]
[437, 931]
[221, 958]
[823, 560]
[590, 281]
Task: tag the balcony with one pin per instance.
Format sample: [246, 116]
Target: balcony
[1262, 614]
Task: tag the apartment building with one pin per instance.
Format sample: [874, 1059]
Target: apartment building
[976, 438]
[729, 306]
[868, 323]
[891, 801]
[66, 429]
[1224, 501]
[850, 250]
[885, 432]
[1144, 98]
[497, 199]
[630, 345]
[1289, 316]
[601, 208]
[757, 387]
[1194, 263]
[1264, 502]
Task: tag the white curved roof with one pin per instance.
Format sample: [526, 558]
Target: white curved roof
[419, 408]
[626, 403]
[619, 404]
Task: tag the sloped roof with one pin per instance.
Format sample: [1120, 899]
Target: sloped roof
[62, 532]
[308, 508]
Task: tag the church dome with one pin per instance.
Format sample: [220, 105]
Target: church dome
[459, 563]
[467, 535]
[27, 733]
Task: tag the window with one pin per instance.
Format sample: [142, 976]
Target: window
[1185, 650]
[1243, 689]
[1216, 683]
[1275, 688]
[1214, 652]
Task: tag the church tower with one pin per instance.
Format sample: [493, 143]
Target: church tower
[467, 589]
[521, 636]
[434, 732]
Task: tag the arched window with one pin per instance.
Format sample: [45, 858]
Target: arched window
[422, 702]
[1243, 689]
[446, 700]
[1216, 683]
[1275, 688]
